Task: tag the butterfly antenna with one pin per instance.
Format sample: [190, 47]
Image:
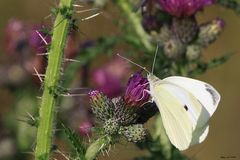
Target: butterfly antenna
[144, 68]
[154, 60]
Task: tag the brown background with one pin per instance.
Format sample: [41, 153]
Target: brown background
[223, 139]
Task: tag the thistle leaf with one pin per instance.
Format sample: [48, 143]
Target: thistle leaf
[204, 66]
[76, 141]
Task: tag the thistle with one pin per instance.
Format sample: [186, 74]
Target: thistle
[183, 8]
[209, 31]
[136, 91]
[122, 116]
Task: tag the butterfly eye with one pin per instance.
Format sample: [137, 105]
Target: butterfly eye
[185, 107]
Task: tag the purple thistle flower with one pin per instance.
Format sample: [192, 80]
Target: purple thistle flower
[94, 94]
[219, 22]
[107, 83]
[108, 78]
[181, 8]
[135, 94]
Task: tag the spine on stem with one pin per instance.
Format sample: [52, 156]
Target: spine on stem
[51, 82]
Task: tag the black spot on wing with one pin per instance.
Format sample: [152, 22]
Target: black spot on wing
[212, 93]
[185, 107]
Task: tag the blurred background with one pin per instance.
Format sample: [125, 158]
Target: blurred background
[19, 88]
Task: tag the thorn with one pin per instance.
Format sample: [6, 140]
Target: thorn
[58, 130]
[42, 54]
[87, 10]
[37, 74]
[38, 97]
[42, 75]
[72, 95]
[102, 152]
[76, 89]
[48, 16]
[71, 60]
[109, 148]
[101, 147]
[92, 16]
[89, 139]
[107, 152]
[30, 116]
[77, 5]
[61, 153]
[21, 120]
[41, 37]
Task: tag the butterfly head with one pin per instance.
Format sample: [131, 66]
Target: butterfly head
[151, 78]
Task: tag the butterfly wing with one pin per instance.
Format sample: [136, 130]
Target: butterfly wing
[200, 134]
[205, 93]
[179, 111]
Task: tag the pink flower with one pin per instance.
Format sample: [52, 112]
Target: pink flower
[181, 8]
[107, 83]
[108, 79]
[85, 128]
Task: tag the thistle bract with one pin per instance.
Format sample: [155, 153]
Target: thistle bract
[134, 133]
[102, 106]
[183, 8]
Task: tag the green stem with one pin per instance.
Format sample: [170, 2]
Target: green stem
[100, 144]
[135, 21]
[50, 94]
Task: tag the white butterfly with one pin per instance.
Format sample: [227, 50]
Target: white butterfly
[185, 106]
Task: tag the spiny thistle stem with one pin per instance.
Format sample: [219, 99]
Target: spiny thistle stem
[50, 94]
[99, 145]
[135, 21]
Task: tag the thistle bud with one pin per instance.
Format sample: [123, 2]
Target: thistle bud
[135, 94]
[101, 105]
[186, 29]
[165, 34]
[209, 32]
[174, 48]
[134, 133]
[193, 52]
